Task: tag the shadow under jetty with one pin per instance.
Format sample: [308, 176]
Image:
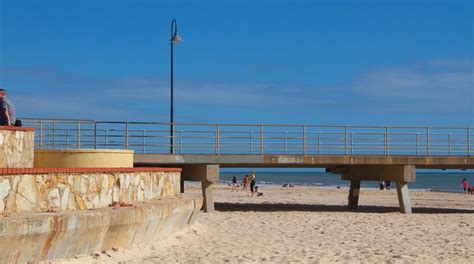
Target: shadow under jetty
[281, 207]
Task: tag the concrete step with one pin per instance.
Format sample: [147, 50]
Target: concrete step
[44, 236]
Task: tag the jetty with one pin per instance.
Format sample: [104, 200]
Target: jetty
[357, 153]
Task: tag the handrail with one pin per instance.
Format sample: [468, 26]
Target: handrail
[237, 124]
[215, 138]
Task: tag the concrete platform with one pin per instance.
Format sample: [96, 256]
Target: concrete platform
[44, 236]
[303, 161]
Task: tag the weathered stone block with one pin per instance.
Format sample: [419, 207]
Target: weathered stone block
[16, 147]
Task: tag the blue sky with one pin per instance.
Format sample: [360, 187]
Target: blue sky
[336, 62]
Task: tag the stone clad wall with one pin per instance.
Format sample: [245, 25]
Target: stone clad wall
[41, 190]
[16, 147]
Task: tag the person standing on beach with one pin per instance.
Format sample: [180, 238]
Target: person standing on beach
[245, 183]
[8, 113]
[464, 184]
[252, 184]
[234, 183]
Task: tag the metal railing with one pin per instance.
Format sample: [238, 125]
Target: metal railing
[195, 138]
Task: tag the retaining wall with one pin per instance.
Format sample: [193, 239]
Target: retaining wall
[41, 190]
[44, 236]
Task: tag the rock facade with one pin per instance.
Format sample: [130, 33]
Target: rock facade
[82, 191]
[16, 147]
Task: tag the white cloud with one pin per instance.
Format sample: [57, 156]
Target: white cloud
[198, 92]
[437, 86]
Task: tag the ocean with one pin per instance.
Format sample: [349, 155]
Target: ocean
[425, 181]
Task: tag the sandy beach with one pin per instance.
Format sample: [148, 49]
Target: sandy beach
[311, 224]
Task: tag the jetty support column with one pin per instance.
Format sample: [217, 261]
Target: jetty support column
[401, 174]
[403, 197]
[208, 175]
[354, 191]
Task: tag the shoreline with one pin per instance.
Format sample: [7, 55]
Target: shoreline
[335, 187]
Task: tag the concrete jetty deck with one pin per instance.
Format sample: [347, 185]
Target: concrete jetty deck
[305, 161]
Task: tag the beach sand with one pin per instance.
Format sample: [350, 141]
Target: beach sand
[311, 224]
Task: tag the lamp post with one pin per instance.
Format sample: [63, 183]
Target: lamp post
[175, 39]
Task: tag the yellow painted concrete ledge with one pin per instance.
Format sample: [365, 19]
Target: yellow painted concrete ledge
[83, 158]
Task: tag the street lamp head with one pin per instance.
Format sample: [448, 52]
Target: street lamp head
[176, 39]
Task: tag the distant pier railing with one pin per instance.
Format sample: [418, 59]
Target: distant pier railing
[195, 138]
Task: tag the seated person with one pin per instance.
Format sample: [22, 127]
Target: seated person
[257, 192]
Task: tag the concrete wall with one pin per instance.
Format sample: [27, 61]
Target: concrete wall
[83, 158]
[16, 147]
[45, 236]
[41, 190]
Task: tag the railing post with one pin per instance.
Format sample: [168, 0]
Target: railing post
[251, 141]
[95, 135]
[106, 138]
[345, 140]
[181, 141]
[217, 139]
[144, 141]
[468, 141]
[352, 143]
[41, 134]
[126, 135]
[261, 139]
[304, 140]
[319, 141]
[53, 136]
[78, 135]
[417, 143]
[449, 144]
[427, 141]
[67, 138]
[386, 142]
[286, 142]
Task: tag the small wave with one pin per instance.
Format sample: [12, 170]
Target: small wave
[444, 190]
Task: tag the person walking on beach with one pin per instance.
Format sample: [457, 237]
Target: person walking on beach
[252, 184]
[245, 183]
[387, 185]
[234, 183]
[464, 184]
[8, 113]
